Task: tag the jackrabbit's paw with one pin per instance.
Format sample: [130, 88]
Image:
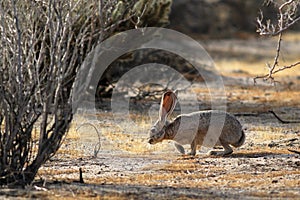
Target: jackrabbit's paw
[191, 153]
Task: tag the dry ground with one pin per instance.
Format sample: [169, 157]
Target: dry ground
[126, 167]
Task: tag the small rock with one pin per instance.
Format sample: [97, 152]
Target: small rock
[272, 144]
[274, 181]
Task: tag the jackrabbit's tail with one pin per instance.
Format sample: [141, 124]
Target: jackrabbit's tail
[241, 140]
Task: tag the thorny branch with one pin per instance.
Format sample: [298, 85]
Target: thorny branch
[287, 12]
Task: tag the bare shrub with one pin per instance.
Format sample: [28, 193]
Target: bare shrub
[43, 42]
[288, 15]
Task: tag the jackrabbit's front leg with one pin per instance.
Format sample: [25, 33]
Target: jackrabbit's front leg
[193, 148]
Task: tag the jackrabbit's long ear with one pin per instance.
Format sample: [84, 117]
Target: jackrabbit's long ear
[167, 105]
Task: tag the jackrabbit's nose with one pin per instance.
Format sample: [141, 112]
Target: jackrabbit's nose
[150, 141]
[153, 130]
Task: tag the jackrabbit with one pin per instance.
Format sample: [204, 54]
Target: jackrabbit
[193, 128]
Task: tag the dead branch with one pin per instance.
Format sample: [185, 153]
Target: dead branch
[247, 114]
[272, 71]
[287, 17]
[294, 151]
[287, 12]
[281, 120]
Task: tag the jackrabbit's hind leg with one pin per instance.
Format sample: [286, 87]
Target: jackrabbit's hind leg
[227, 150]
[180, 148]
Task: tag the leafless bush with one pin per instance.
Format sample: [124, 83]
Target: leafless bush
[288, 15]
[43, 42]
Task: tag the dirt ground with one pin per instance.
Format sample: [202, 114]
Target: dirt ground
[117, 163]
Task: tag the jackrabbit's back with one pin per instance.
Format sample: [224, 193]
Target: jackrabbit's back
[195, 126]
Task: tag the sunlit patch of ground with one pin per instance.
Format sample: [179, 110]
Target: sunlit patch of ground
[262, 168]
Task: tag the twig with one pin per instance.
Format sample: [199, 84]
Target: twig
[268, 76]
[281, 120]
[286, 67]
[287, 26]
[294, 151]
[97, 146]
[80, 176]
[247, 114]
